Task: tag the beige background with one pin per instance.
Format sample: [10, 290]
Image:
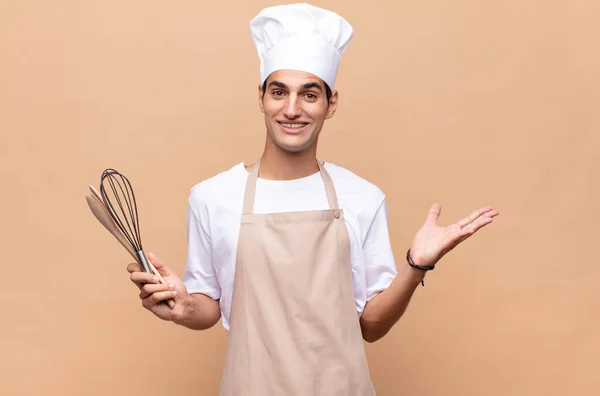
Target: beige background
[466, 103]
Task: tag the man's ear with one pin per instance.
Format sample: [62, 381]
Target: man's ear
[333, 102]
[260, 98]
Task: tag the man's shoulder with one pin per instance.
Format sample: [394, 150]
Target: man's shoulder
[349, 182]
[347, 178]
[220, 185]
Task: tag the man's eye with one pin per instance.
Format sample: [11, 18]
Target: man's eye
[277, 93]
[311, 96]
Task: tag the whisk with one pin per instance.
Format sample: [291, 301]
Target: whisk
[127, 216]
[116, 208]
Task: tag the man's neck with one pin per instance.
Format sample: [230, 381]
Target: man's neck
[277, 164]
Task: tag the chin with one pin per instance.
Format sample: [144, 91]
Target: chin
[293, 147]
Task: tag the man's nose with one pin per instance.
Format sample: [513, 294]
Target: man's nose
[292, 107]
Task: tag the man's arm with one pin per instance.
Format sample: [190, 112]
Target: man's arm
[196, 311]
[201, 308]
[197, 296]
[200, 312]
[388, 290]
[385, 309]
[429, 245]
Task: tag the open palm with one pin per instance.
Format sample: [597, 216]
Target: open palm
[432, 241]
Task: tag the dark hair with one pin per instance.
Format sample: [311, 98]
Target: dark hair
[328, 92]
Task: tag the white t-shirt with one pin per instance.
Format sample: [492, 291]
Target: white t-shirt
[213, 223]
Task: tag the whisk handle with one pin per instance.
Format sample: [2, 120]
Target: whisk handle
[149, 268]
[143, 261]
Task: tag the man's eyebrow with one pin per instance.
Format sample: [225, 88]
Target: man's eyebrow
[309, 85]
[312, 85]
[278, 84]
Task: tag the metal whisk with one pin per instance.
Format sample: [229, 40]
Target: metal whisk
[124, 212]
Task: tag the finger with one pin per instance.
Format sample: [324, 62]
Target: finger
[475, 226]
[473, 216]
[433, 214]
[141, 278]
[133, 267]
[156, 298]
[492, 213]
[159, 265]
[151, 288]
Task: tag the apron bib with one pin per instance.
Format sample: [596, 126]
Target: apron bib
[294, 329]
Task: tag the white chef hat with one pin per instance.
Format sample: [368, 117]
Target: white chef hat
[300, 37]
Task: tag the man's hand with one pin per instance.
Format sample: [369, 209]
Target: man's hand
[432, 242]
[152, 292]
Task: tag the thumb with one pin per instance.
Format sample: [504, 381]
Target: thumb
[159, 265]
[433, 214]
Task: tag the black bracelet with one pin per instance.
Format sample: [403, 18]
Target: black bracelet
[419, 267]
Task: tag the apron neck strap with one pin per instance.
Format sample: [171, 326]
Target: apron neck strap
[250, 192]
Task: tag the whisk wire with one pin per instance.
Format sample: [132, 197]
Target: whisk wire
[129, 225]
[107, 176]
[126, 196]
[116, 185]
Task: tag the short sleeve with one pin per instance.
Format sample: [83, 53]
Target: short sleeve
[379, 257]
[200, 275]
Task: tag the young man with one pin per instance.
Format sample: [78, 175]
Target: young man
[294, 254]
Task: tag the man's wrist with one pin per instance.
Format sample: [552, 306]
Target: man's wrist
[412, 275]
[186, 312]
[417, 269]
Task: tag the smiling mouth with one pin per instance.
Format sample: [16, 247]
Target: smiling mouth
[295, 127]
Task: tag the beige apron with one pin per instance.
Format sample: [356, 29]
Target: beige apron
[294, 329]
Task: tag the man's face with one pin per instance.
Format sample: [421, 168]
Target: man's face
[295, 107]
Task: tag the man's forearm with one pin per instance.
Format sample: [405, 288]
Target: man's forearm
[200, 312]
[385, 309]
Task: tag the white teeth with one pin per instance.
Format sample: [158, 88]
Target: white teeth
[297, 126]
